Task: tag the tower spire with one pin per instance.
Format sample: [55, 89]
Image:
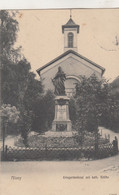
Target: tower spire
[70, 13]
[70, 31]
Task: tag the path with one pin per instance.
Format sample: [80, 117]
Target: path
[9, 141]
[107, 166]
[110, 132]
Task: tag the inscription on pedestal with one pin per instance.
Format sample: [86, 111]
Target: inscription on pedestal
[61, 127]
[61, 114]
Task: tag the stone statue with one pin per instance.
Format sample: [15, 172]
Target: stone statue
[58, 82]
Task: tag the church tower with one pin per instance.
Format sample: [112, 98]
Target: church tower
[72, 63]
[70, 31]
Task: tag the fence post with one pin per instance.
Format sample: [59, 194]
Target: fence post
[3, 143]
[115, 145]
[96, 144]
[109, 137]
[5, 154]
[46, 151]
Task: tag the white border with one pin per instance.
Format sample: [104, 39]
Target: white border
[57, 4]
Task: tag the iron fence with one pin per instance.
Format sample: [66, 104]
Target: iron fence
[64, 153]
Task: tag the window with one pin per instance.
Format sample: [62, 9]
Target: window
[70, 40]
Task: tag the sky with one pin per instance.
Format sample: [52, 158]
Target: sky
[41, 38]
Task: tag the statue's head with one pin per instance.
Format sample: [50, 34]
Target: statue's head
[59, 69]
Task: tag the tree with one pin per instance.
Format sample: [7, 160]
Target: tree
[32, 93]
[25, 124]
[8, 34]
[111, 118]
[10, 115]
[72, 111]
[19, 86]
[92, 98]
[14, 82]
[9, 28]
[44, 110]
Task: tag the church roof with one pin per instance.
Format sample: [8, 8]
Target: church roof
[70, 24]
[66, 53]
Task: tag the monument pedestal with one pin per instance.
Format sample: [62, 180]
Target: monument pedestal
[61, 121]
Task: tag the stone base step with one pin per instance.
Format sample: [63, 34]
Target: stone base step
[60, 134]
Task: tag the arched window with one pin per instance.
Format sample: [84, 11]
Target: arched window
[70, 85]
[70, 40]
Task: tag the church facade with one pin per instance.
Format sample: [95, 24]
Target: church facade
[72, 63]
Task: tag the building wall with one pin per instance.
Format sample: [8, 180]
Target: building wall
[70, 84]
[72, 66]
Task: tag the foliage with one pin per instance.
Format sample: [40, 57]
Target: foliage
[33, 93]
[110, 116]
[9, 113]
[115, 88]
[14, 82]
[44, 109]
[21, 89]
[9, 28]
[91, 100]
[60, 141]
[72, 110]
[25, 125]
[96, 104]
[19, 86]
[10, 116]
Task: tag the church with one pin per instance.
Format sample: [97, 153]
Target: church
[72, 63]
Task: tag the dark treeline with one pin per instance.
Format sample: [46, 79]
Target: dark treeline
[19, 86]
[96, 104]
